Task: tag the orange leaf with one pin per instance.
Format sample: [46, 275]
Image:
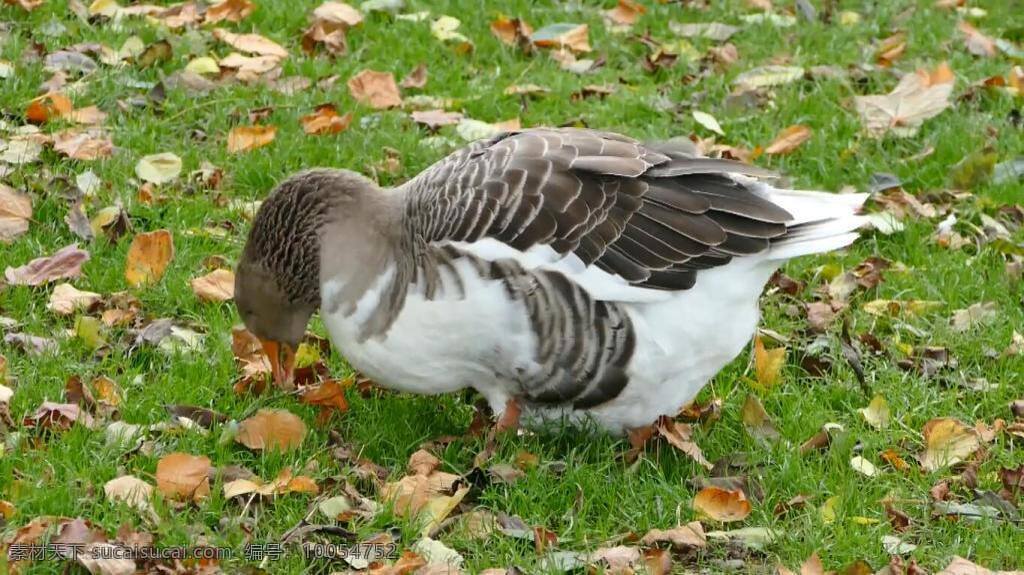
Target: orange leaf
[48, 107]
[250, 43]
[328, 395]
[789, 140]
[510, 30]
[723, 505]
[625, 13]
[245, 138]
[148, 257]
[376, 89]
[183, 476]
[977, 43]
[230, 10]
[272, 430]
[216, 286]
[325, 120]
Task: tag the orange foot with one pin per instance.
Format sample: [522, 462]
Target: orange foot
[509, 420]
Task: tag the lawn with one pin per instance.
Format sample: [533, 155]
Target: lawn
[575, 484]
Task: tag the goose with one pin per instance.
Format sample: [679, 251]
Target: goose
[565, 274]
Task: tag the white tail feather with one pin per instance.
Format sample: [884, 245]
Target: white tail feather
[822, 221]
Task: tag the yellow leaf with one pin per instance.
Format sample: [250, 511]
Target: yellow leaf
[788, 140]
[876, 413]
[947, 442]
[245, 138]
[148, 257]
[767, 363]
[725, 505]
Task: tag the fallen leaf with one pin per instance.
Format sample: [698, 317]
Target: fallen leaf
[976, 314]
[725, 505]
[960, 566]
[788, 140]
[250, 43]
[230, 10]
[511, 31]
[22, 150]
[863, 466]
[896, 308]
[680, 436]
[66, 299]
[83, 145]
[15, 213]
[757, 422]
[625, 13]
[158, 168]
[246, 138]
[890, 49]
[325, 120]
[272, 430]
[767, 363]
[689, 536]
[947, 442]
[329, 396]
[375, 89]
[65, 263]
[768, 76]
[708, 121]
[710, 30]
[919, 96]
[284, 483]
[216, 286]
[183, 476]
[434, 119]
[445, 29]
[148, 257]
[130, 490]
[575, 37]
[49, 106]
[876, 413]
[57, 416]
[339, 13]
[976, 42]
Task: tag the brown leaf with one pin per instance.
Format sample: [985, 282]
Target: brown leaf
[976, 42]
[216, 286]
[248, 351]
[788, 140]
[919, 96]
[230, 10]
[245, 138]
[148, 257]
[757, 422]
[820, 316]
[725, 505]
[58, 416]
[329, 396]
[250, 43]
[375, 89]
[15, 213]
[680, 436]
[330, 34]
[575, 37]
[947, 442]
[183, 476]
[422, 462]
[890, 49]
[976, 314]
[272, 429]
[65, 263]
[325, 120]
[625, 13]
[511, 31]
[415, 79]
[87, 145]
[689, 536]
[284, 483]
[338, 13]
[658, 561]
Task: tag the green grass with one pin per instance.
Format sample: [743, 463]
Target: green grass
[598, 497]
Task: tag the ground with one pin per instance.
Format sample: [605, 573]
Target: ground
[581, 488]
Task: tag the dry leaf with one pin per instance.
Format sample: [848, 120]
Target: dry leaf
[329, 396]
[89, 145]
[626, 13]
[272, 429]
[789, 140]
[250, 43]
[680, 436]
[708, 121]
[415, 79]
[511, 31]
[768, 76]
[947, 442]
[216, 286]
[130, 490]
[890, 49]
[65, 263]
[961, 566]
[248, 351]
[689, 536]
[896, 308]
[66, 299]
[725, 505]
[15, 213]
[756, 420]
[575, 37]
[183, 476]
[863, 466]
[148, 257]
[284, 483]
[919, 96]
[158, 168]
[230, 10]
[975, 314]
[876, 413]
[338, 13]
[325, 120]
[49, 106]
[375, 89]
[976, 42]
[434, 119]
[245, 138]
[767, 363]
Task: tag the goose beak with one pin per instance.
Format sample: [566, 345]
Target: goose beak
[282, 362]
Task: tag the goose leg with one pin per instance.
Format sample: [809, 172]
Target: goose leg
[509, 419]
